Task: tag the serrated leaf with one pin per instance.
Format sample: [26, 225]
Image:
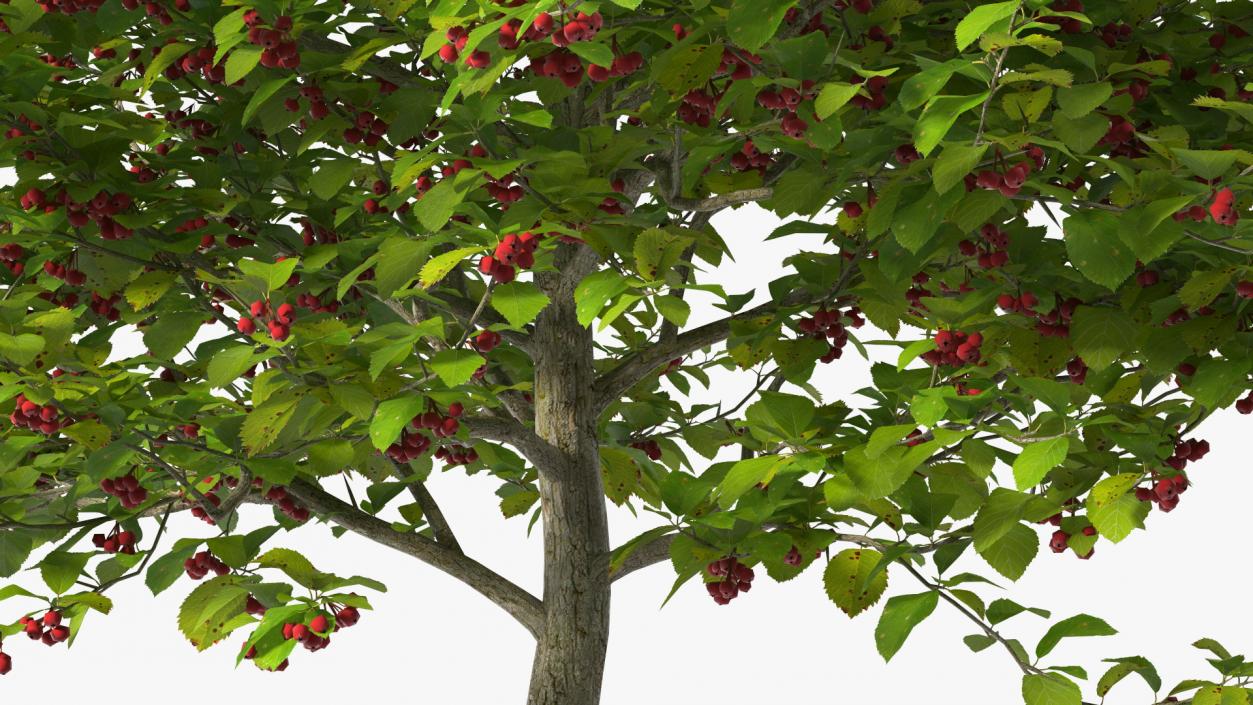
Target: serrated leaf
[1050, 689]
[213, 610]
[439, 266]
[391, 417]
[398, 263]
[455, 367]
[1079, 100]
[619, 472]
[163, 60]
[832, 97]
[1078, 625]
[1102, 335]
[148, 287]
[900, 615]
[954, 163]
[938, 118]
[241, 62]
[331, 176]
[848, 569]
[1037, 459]
[981, 19]
[594, 292]
[263, 93]
[265, 423]
[59, 569]
[518, 302]
[1096, 250]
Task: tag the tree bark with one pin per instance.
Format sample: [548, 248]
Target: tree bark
[570, 653]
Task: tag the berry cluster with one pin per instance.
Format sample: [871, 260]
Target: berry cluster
[279, 325]
[650, 447]
[832, 325]
[486, 341]
[749, 157]
[1060, 540]
[736, 578]
[6, 661]
[49, 629]
[456, 454]
[563, 65]
[127, 489]
[1190, 449]
[279, 49]
[515, 251]
[876, 86]
[11, 255]
[994, 253]
[106, 305]
[44, 419]
[1009, 181]
[1055, 323]
[410, 446]
[100, 209]
[623, 65]
[117, 541]
[954, 348]
[199, 565]
[368, 128]
[1164, 492]
[73, 277]
[287, 504]
[1114, 32]
[314, 636]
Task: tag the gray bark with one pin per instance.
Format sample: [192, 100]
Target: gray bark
[570, 652]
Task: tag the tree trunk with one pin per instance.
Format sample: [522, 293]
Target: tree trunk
[570, 654]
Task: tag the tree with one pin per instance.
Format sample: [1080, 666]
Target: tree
[465, 231]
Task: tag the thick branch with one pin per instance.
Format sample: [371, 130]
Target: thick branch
[543, 455]
[520, 604]
[717, 203]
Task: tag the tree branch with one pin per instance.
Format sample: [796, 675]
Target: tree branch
[434, 516]
[611, 385]
[520, 604]
[543, 455]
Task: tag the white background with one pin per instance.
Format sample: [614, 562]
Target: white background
[432, 639]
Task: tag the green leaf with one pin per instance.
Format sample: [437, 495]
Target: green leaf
[273, 274]
[439, 266]
[165, 571]
[241, 62]
[1037, 459]
[456, 367]
[900, 615]
[354, 399]
[673, 309]
[391, 417]
[954, 163]
[686, 67]
[849, 569]
[1080, 100]
[295, 565]
[93, 600]
[1096, 250]
[518, 302]
[1102, 335]
[790, 413]
[656, 251]
[438, 205]
[591, 295]
[21, 349]
[15, 548]
[1011, 553]
[331, 176]
[980, 20]
[262, 426]
[162, 61]
[619, 472]
[60, 569]
[920, 87]
[751, 23]
[1078, 625]
[593, 53]
[832, 97]
[1125, 666]
[148, 287]
[1206, 163]
[213, 610]
[1221, 695]
[229, 364]
[263, 93]
[1080, 134]
[1203, 287]
[1050, 689]
[938, 118]
[746, 474]
[398, 263]
[1112, 510]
